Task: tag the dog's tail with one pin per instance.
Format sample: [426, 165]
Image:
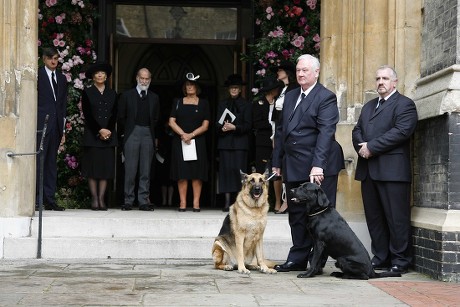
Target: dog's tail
[386, 274]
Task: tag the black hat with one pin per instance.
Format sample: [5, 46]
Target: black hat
[284, 65]
[270, 83]
[98, 66]
[234, 79]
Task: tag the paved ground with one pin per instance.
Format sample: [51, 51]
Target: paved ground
[195, 283]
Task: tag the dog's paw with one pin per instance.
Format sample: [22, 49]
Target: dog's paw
[268, 271]
[228, 267]
[244, 271]
[307, 274]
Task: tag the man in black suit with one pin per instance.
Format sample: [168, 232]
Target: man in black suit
[306, 150]
[52, 101]
[137, 117]
[382, 140]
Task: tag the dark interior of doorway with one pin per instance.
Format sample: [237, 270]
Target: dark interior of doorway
[168, 64]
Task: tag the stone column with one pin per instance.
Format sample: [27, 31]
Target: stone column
[18, 108]
[358, 36]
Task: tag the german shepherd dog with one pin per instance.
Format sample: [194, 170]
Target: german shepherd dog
[240, 240]
[334, 237]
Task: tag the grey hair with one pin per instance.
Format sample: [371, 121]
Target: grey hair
[394, 75]
[312, 59]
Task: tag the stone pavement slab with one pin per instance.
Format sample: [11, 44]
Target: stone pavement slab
[169, 282]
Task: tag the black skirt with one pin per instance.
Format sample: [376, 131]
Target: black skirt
[230, 164]
[98, 162]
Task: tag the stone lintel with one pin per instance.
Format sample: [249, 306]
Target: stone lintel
[438, 93]
[436, 219]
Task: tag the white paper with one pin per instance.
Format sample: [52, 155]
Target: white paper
[224, 114]
[159, 158]
[189, 151]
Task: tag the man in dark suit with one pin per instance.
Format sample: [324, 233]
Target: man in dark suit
[306, 150]
[52, 101]
[137, 117]
[382, 140]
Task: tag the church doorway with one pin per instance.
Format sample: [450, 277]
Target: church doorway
[174, 44]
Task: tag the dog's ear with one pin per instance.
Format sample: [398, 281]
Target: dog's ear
[266, 173]
[243, 176]
[322, 198]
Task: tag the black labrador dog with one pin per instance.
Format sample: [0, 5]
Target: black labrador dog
[334, 237]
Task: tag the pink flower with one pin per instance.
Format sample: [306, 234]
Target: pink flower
[316, 38]
[311, 4]
[55, 42]
[270, 54]
[258, 21]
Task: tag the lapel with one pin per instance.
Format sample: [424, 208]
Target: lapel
[135, 96]
[49, 87]
[385, 105]
[303, 107]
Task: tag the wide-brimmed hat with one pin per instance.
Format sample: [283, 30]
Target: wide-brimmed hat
[98, 66]
[284, 65]
[270, 83]
[191, 77]
[234, 79]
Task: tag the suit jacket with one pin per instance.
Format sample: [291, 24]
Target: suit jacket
[239, 138]
[55, 108]
[387, 132]
[100, 111]
[127, 110]
[308, 139]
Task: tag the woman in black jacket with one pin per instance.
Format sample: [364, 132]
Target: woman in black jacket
[233, 128]
[99, 138]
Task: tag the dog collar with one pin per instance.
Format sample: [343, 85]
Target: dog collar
[319, 212]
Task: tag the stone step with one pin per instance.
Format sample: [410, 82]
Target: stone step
[141, 235]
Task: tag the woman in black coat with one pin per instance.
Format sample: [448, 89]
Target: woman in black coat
[233, 125]
[263, 122]
[99, 138]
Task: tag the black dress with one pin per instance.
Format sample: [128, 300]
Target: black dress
[100, 111]
[233, 146]
[189, 117]
[263, 130]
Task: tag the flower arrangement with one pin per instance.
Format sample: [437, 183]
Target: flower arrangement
[66, 25]
[287, 29]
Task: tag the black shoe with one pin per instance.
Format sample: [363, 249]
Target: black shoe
[382, 266]
[54, 207]
[126, 207]
[181, 209]
[398, 269]
[196, 209]
[289, 266]
[145, 208]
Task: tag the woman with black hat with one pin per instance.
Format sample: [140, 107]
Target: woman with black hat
[99, 138]
[233, 125]
[189, 120]
[263, 123]
[285, 72]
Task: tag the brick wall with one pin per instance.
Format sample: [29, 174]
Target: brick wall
[439, 36]
[437, 253]
[437, 162]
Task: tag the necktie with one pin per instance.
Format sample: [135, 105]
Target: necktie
[381, 101]
[295, 108]
[142, 94]
[53, 81]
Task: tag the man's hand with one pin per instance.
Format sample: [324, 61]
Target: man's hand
[276, 170]
[364, 151]
[316, 175]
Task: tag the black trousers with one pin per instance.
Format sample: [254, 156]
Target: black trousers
[387, 210]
